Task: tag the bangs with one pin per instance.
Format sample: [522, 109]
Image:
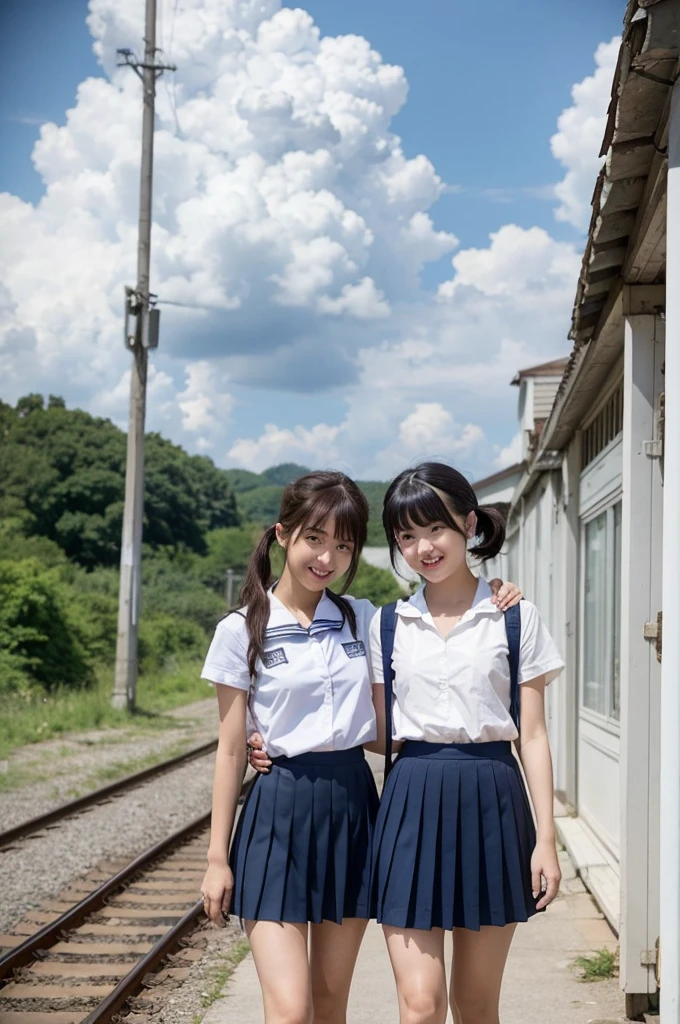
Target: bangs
[415, 504]
[335, 503]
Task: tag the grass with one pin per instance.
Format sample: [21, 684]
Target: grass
[14, 777]
[598, 966]
[31, 718]
[220, 975]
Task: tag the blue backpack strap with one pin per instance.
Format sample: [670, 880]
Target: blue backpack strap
[388, 624]
[513, 629]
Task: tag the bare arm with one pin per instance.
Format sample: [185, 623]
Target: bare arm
[534, 751]
[378, 744]
[230, 763]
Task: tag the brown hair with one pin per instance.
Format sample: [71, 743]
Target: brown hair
[412, 499]
[307, 502]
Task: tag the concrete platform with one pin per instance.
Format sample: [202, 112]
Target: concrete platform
[540, 983]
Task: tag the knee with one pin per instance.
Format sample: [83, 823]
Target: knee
[329, 1007]
[290, 1013]
[476, 1008]
[423, 1007]
[293, 1015]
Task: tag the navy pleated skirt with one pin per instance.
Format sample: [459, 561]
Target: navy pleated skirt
[453, 839]
[302, 847]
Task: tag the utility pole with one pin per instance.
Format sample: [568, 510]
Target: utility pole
[141, 334]
[232, 579]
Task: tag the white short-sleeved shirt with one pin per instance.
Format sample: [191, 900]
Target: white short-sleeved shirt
[313, 689]
[456, 689]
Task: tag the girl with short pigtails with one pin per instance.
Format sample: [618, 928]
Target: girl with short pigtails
[457, 683]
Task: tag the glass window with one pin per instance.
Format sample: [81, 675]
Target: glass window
[602, 614]
[616, 624]
[595, 615]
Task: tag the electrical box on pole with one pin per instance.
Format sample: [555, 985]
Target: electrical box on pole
[140, 323]
[150, 328]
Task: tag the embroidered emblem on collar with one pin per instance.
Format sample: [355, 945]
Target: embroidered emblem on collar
[355, 649]
[275, 657]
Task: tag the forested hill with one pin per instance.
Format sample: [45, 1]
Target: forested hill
[62, 479]
[62, 476]
[258, 495]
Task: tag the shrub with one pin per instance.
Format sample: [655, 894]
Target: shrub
[37, 632]
[166, 640]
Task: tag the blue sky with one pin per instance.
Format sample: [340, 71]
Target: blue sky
[486, 86]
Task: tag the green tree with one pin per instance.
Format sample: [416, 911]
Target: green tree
[228, 548]
[377, 585]
[170, 588]
[63, 471]
[261, 505]
[39, 639]
[243, 480]
[375, 492]
[284, 474]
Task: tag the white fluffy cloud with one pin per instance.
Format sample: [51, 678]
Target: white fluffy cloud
[283, 204]
[290, 233]
[577, 141]
[315, 447]
[511, 454]
[428, 431]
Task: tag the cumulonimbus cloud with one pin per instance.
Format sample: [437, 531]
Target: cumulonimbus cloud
[290, 233]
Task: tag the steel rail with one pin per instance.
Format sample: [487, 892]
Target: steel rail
[99, 795]
[52, 932]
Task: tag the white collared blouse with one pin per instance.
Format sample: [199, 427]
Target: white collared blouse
[456, 689]
[312, 691]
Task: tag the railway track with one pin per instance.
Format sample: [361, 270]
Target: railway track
[99, 796]
[101, 949]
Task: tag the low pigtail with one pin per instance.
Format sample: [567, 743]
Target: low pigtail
[255, 598]
[491, 530]
[345, 607]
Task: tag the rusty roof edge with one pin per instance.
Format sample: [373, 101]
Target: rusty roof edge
[588, 310]
[579, 359]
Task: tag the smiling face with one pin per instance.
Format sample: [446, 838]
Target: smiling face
[436, 551]
[315, 557]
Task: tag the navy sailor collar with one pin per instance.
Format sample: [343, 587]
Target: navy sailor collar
[282, 623]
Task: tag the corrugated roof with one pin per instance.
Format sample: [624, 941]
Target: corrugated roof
[630, 186]
[645, 71]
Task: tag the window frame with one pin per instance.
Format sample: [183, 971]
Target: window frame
[607, 719]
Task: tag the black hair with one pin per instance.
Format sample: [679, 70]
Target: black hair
[411, 501]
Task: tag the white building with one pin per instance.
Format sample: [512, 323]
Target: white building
[537, 390]
[586, 523]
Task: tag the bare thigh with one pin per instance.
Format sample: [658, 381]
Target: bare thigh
[479, 960]
[417, 959]
[333, 955]
[280, 953]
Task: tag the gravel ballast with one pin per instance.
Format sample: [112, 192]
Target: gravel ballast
[58, 770]
[38, 867]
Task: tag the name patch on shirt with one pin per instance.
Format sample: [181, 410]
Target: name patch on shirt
[275, 657]
[355, 649]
